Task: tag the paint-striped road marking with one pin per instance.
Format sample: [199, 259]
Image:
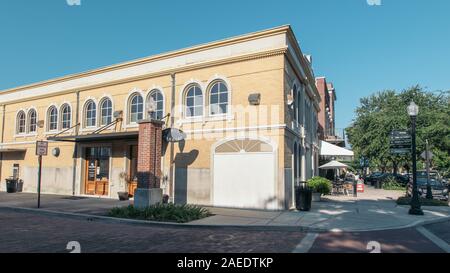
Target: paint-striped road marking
[436, 240]
[306, 243]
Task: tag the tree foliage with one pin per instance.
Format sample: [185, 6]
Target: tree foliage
[385, 111]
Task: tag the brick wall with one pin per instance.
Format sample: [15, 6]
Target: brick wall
[149, 154]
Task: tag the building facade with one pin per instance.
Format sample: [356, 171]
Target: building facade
[248, 106]
[326, 117]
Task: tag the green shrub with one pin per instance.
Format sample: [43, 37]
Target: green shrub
[320, 185]
[162, 212]
[391, 184]
[423, 202]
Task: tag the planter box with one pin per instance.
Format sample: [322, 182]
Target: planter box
[316, 197]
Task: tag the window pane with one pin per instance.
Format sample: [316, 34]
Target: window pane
[223, 97]
[219, 98]
[214, 99]
[136, 109]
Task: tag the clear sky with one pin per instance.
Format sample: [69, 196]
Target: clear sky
[360, 48]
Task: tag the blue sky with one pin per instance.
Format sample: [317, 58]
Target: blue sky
[360, 48]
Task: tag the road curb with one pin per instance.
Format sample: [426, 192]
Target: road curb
[91, 217]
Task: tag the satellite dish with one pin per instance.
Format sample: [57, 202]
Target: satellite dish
[173, 135]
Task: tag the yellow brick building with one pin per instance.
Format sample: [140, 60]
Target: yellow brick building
[247, 104]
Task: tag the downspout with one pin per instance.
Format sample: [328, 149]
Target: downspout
[172, 145]
[2, 139]
[75, 148]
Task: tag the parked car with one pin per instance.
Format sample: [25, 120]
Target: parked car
[402, 179]
[438, 189]
[371, 179]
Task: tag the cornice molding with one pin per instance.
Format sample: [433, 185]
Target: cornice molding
[167, 72]
[225, 42]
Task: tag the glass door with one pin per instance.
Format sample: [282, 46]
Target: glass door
[97, 170]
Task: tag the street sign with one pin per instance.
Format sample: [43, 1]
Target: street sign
[400, 151]
[400, 142]
[41, 148]
[424, 155]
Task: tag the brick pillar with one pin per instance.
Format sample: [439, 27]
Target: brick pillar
[148, 191]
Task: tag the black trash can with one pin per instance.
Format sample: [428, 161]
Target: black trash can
[303, 197]
[11, 185]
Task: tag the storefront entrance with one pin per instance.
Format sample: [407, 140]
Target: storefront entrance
[97, 170]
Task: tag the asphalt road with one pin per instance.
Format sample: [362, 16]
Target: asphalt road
[37, 233]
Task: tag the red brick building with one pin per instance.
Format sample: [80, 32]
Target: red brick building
[327, 130]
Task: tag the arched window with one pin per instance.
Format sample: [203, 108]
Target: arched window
[66, 117]
[21, 122]
[218, 98]
[194, 101]
[158, 99]
[106, 112]
[246, 145]
[91, 112]
[52, 117]
[32, 121]
[136, 108]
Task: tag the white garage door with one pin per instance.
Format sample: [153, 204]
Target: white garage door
[244, 175]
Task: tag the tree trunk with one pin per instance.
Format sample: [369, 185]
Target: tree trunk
[395, 166]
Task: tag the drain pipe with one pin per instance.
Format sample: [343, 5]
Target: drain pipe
[172, 151]
[75, 148]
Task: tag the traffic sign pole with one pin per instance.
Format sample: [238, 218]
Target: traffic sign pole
[39, 181]
[41, 149]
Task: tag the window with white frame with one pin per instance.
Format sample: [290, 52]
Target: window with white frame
[21, 119]
[194, 101]
[52, 117]
[158, 99]
[218, 98]
[32, 121]
[136, 108]
[90, 114]
[66, 116]
[105, 112]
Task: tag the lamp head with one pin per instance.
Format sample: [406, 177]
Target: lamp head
[151, 107]
[413, 109]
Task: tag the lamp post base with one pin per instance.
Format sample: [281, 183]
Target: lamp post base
[415, 211]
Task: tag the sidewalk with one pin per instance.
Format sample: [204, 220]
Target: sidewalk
[373, 210]
[370, 211]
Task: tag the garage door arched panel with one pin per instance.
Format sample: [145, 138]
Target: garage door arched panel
[244, 145]
[244, 174]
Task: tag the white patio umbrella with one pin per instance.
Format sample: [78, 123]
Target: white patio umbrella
[334, 165]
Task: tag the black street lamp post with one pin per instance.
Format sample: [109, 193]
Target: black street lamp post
[415, 209]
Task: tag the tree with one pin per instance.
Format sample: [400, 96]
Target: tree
[385, 111]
